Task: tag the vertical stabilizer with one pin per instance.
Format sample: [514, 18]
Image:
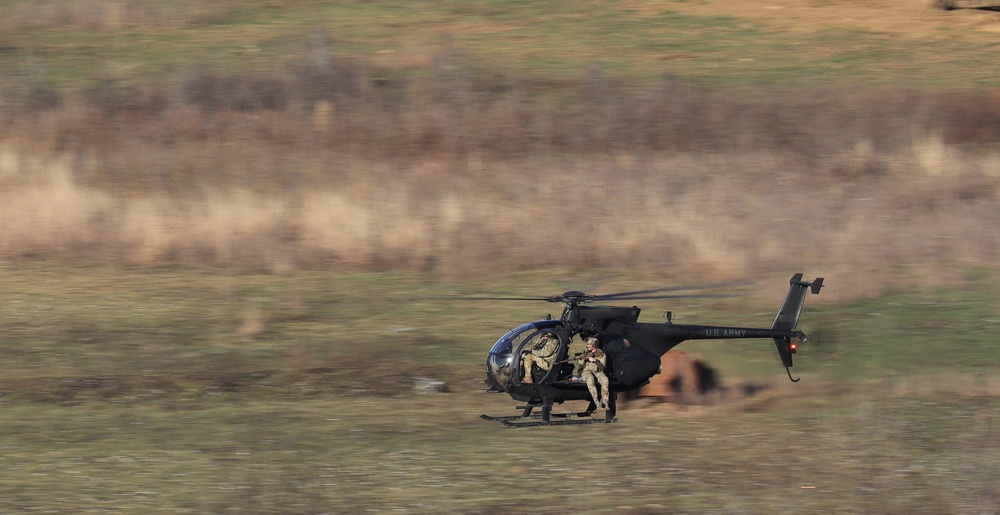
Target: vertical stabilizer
[788, 316]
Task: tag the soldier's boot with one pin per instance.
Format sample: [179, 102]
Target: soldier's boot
[593, 395]
[604, 396]
[528, 379]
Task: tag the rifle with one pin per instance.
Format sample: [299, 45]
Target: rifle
[576, 357]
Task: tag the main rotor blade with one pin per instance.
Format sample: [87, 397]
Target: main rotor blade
[640, 294]
[579, 297]
[462, 297]
[678, 296]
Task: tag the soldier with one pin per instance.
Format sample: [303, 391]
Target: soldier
[590, 368]
[542, 354]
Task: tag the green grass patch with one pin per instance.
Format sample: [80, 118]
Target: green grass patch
[204, 390]
[533, 38]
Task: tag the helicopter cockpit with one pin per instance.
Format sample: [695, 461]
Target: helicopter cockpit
[502, 370]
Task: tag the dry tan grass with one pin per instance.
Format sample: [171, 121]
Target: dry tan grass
[437, 177]
[104, 15]
[698, 215]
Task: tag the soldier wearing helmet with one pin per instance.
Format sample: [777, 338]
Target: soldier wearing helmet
[542, 354]
[590, 368]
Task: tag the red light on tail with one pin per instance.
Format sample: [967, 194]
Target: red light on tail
[792, 347]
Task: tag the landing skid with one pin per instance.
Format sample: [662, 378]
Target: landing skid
[547, 418]
[555, 419]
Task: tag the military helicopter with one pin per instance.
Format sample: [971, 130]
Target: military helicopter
[633, 349]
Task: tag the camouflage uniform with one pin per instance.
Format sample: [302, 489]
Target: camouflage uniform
[591, 371]
[542, 355]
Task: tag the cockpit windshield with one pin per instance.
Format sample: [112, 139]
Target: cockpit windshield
[501, 368]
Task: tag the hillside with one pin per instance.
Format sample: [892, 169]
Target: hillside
[434, 136]
[230, 227]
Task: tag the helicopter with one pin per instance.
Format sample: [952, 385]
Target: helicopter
[633, 350]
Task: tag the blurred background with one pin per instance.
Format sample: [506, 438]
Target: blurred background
[455, 137]
[219, 220]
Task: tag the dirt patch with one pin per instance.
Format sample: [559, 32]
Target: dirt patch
[688, 384]
[685, 379]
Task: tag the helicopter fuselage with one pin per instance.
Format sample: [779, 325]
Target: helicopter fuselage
[633, 348]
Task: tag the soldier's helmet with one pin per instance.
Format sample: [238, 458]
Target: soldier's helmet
[592, 341]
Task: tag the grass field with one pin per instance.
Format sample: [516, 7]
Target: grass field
[222, 222]
[705, 138]
[206, 390]
[711, 42]
[455, 138]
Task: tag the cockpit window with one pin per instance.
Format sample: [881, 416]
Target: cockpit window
[500, 365]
